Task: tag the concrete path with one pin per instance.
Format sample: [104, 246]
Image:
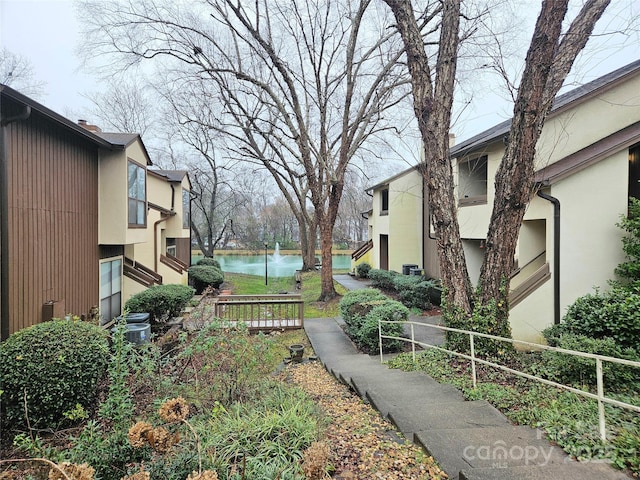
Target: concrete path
[470, 440]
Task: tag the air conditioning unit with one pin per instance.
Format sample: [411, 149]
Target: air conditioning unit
[137, 333]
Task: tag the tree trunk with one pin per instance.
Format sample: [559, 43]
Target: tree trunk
[547, 64]
[326, 272]
[432, 101]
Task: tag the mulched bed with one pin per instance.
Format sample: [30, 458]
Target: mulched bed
[363, 444]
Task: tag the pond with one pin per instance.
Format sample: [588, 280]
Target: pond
[277, 265]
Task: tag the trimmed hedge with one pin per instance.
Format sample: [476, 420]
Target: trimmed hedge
[363, 269]
[210, 262]
[579, 371]
[203, 276]
[367, 336]
[382, 278]
[58, 365]
[161, 301]
[361, 310]
[415, 291]
[614, 314]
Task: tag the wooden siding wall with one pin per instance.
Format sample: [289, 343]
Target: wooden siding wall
[183, 250]
[53, 220]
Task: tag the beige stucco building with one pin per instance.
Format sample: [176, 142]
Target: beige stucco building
[586, 169]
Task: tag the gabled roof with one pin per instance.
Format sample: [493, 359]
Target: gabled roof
[170, 175]
[589, 155]
[124, 140]
[7, 92]
[560, 104]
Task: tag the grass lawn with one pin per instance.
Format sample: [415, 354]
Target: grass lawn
[242, 284]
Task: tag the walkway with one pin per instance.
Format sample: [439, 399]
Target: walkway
[470, 440]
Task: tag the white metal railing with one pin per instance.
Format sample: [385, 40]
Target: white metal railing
[599, 396]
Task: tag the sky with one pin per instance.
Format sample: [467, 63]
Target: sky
[47, 33]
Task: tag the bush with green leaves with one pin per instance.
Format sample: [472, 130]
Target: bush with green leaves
[580, 371]
[367, 337]
[629, 270]
[161, 301]
[55, 367]
[210, 262]
[363, 269]
[415, 291]
[614, 314]
[382, 278]
[203, 276]
[355, 305]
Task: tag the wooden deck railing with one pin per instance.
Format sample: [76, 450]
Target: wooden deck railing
[174, 263]
[262, 312]
[362, 249]
[141, 274]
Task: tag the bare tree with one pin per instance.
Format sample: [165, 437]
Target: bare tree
[549, 60]
[303, 86]
[17, 72]
[126, 106]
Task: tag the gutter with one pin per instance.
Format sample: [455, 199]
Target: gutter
[163, 218]
[4, 221]
[556, 254]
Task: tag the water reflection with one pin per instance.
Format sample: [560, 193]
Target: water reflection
[277, 265]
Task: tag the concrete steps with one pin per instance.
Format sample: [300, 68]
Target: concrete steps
[470, 440]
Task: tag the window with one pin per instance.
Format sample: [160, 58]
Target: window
[137, 191]
[110, 289]
[634, 171]
[186, 209]
[472, 181]
[171, 246]
[384, 202]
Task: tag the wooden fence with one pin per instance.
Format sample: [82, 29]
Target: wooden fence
[262, 312]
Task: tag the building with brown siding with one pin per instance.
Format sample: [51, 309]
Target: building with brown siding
[76, 217]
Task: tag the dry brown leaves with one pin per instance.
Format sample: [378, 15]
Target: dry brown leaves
[363, 444]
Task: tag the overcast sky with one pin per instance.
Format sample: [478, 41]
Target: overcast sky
[47, 33]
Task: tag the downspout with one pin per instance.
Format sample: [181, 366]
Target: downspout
[163, 218]
[556, 254]
[4, 221]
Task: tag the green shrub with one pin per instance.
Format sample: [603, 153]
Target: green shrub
[614, 314]
[367, 336]
[203, 276]
[355, 305]
[382, 278]
[161, 301]
[573, 370]
[362, 270]
[415, 291]
[209, 262]
[57, 365]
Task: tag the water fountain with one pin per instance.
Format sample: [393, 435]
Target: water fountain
[276, 257]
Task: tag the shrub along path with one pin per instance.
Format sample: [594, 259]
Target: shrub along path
[470, 440]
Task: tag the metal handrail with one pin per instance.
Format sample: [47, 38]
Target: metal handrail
[599, 396]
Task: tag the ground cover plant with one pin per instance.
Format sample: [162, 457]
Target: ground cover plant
[190, 405]
[568, 419]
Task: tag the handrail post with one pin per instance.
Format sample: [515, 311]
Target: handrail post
[603, 427]
[413, 345]
[380, 340]
[473, 360]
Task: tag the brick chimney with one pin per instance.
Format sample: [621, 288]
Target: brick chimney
[91, 128]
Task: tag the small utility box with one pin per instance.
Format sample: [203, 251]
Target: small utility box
[53, 309]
